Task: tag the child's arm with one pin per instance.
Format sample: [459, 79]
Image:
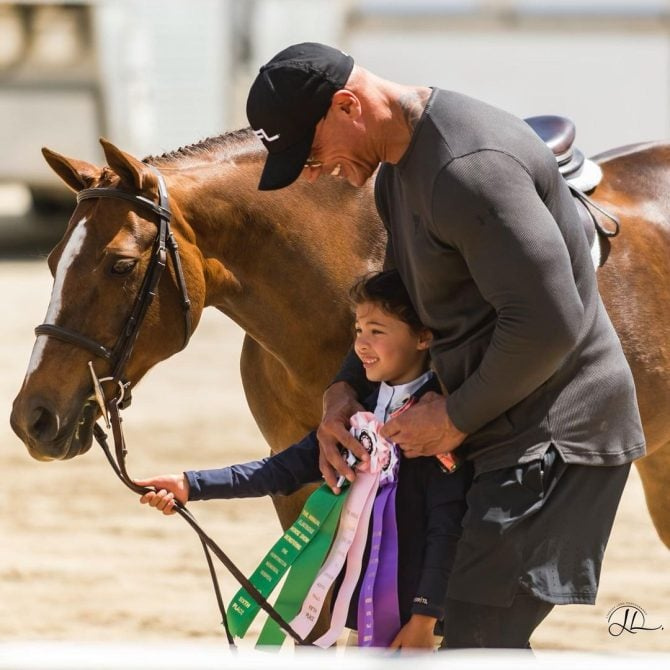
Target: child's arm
[282, 473]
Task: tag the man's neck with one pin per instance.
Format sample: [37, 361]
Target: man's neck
[393, 112]
[407, 108]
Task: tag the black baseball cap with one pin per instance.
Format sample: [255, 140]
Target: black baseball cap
[290, 95]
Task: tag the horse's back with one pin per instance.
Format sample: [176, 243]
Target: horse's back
[635, 286]
[635, 280]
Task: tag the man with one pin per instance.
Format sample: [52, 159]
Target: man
[486, 238]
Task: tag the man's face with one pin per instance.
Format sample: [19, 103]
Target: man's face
[341, 146]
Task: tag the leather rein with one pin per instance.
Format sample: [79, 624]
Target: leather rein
[118, 357]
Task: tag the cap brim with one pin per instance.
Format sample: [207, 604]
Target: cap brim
[284, 167]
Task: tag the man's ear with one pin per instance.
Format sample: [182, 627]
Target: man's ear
[346, 102]
[425, 339]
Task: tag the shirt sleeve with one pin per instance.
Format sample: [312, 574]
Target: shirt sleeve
[283, 474]
[445, 506]
[486, 206]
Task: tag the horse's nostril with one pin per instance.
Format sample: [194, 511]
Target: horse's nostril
[43, 424]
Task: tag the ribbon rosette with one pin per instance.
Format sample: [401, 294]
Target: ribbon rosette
[300, 552]
[378, 611]
[383, 454]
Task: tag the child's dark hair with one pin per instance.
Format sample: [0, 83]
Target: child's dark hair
[386, 290]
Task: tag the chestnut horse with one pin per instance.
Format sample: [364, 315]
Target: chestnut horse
[279, 264]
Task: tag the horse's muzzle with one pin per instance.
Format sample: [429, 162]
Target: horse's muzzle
[46, 436]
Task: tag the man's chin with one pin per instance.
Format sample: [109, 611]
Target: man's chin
[358, 180]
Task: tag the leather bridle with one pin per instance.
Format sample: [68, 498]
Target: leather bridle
[164, 242]
[118, 357]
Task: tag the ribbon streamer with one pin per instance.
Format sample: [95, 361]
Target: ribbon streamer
[301, 550]
[243, 608]
[349, 545]
[377, 625]
[378, 608]
[301, 576]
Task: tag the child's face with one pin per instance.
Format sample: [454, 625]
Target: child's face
[387, 346]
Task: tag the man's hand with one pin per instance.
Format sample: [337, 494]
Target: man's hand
[425, 429]
[417, 633]
[168, 488]
[339, 405]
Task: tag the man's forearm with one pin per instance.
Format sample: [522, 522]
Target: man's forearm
[509, 372]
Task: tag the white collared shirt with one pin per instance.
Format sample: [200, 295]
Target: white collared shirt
[392, 398]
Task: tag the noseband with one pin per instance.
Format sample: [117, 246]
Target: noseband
[164, 242]
[118, 357]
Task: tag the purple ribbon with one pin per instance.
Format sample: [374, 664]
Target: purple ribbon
[378, 609]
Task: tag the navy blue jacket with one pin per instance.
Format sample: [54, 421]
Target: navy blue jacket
[430, 504]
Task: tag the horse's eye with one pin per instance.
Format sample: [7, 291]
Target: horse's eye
[123, 266]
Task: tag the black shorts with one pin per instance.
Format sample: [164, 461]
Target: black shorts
[539, 527]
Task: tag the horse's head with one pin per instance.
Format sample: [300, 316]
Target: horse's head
[99, 267]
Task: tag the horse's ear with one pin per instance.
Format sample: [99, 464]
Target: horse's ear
[133, 172]
[75, 173]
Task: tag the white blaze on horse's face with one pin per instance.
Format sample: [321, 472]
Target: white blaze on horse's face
[72, 248]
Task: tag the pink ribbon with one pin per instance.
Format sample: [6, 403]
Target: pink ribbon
[350, 543]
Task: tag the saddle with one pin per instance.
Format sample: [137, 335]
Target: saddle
[582, 176]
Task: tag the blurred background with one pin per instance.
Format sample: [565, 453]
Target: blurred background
[153, 75]
[78, 556]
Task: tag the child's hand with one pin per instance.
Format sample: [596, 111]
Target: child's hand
[168, 488]
[417, 633]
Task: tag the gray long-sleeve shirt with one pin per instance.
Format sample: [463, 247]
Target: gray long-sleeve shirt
[485, 235]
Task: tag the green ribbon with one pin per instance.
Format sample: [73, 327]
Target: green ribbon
[301, 576]
[317, 511]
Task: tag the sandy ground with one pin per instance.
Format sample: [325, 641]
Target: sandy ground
[80, 559]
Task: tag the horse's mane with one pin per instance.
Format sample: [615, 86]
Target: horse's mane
[222, 147]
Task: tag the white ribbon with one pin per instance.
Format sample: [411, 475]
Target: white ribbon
[351, 537]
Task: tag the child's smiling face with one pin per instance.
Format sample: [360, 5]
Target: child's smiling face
[388, 348]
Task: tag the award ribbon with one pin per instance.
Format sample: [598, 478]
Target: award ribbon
[301, 576]
[378, 608]
[381, 572]
[318, 507]
[378, 614]
[349, 544]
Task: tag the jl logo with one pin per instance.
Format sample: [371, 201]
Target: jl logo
[629, 618]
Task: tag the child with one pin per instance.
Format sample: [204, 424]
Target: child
[430, 502]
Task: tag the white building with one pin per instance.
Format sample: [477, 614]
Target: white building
[152, 75]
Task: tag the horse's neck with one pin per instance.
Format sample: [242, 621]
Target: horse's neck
[279, 263]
